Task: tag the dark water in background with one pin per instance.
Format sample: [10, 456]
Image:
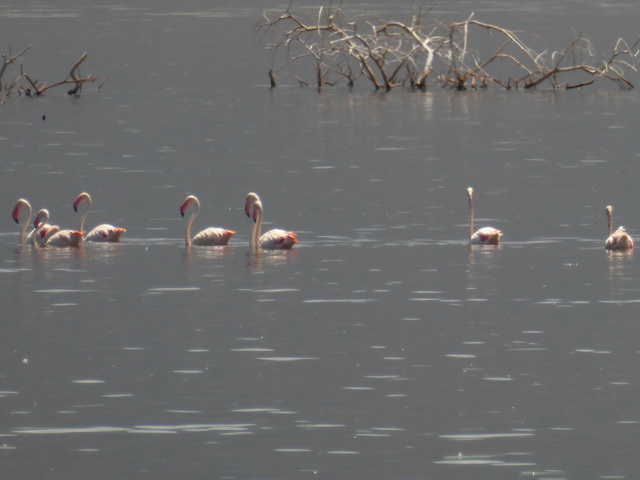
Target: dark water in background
[382, 346]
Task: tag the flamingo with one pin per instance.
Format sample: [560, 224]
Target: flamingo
[52, 235]
[208, 236]
[484, 235]
[618, 240]
[20, 204]
[275, 239]
[101, 233]
[41, 228]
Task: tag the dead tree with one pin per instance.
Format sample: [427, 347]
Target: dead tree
[462, 55]
[26, 84]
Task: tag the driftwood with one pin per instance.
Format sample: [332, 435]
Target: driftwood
[25, 83]
[462, 55]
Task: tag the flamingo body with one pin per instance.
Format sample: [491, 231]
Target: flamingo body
[61, 238]
[105, 233]
[45, 234]
[208, 236]
[101, 233]
[213, 236]
[484, 235]
[275, 239]
[618, 240]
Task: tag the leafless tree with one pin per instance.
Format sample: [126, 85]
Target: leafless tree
[26, 84]
[462, 55]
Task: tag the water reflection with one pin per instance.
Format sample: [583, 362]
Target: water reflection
[483, 262]
[256, 259]
[619, 265]
[211, 252]
[45, 254]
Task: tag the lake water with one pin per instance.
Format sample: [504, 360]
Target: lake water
[382, 346]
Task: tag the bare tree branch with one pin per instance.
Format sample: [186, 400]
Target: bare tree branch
[33, 87]
[392, 53]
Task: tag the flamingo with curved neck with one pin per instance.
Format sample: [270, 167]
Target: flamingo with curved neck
[208, 236]
[41, 228]
[484, 235]
[52, 234]
[618, 240]
[101, 233]
[20, 204]
[275, 239]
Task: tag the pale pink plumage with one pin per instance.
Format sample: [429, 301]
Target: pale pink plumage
[275, 239]
[60, 238]
[101, 233]
[484, 235]
[618, 240]
[208, 236]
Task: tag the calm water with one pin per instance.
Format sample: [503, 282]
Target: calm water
[382, 346]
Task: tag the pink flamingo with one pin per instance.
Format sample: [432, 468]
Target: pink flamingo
[101, 233]
[41, 226]
[20, 204]
[275, 239]
[59, 238]
[618, 240]
[485, 235]
[208, 236]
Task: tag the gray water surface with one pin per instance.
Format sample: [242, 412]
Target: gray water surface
[382, 346]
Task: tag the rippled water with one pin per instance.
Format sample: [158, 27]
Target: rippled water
[382, 346]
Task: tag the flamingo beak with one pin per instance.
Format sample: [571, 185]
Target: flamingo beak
[76, 202]
[183, 207]
[247, 209]
[16, 212]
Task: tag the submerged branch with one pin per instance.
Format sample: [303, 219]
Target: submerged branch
[457, 55]
[26, 84]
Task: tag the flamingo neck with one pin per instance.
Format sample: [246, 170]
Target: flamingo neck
[85, 214]
[23, 232]
[257, 227]
[187, 233]
[610, 222]
[470, 217]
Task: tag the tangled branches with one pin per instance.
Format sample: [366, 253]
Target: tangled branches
[27, 85]
[463, 55]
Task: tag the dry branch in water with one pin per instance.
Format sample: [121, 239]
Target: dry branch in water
[462, 55]
[27, 85]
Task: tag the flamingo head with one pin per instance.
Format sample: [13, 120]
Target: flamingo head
[41, 218]
[188, 201]
[83, 197]
[249, 201]
[16, 210]
[257, 210]
[609, 211]
[16, 213]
